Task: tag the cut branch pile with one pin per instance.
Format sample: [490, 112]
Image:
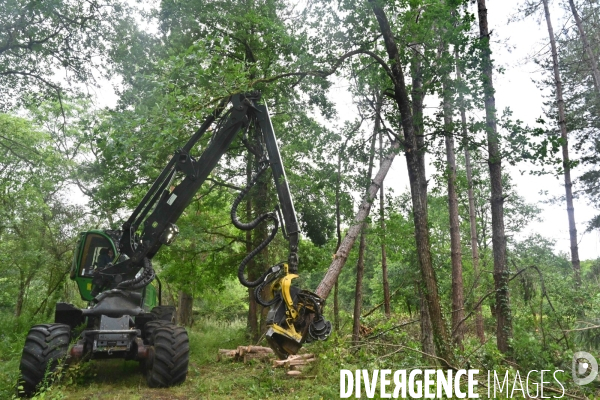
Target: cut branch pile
[365, 330]
[246, 353]
[294, 363]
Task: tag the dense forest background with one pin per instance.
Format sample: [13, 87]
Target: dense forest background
[441, 270]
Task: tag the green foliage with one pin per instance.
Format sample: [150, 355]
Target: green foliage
[201, 52]
[47, 44]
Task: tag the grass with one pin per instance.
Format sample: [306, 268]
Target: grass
[207, 378]
[211, 379]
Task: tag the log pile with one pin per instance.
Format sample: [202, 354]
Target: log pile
[246, 353]
[295, 364]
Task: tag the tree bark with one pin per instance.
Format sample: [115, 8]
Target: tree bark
[479, 328]
[418, 97]
[586, 44]
[458, 303]
[503, 311]
[252, 322]
[341, 255]
[338, 223]
[360, 272]
[185, 314]
[417, 185]
[20, 300]
[24, 283]
[565, 149]
[360, 265]
[427, 344]
[384, 272]
[260, 234]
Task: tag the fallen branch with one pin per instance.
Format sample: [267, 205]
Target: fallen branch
[393, 327]
[380, 304]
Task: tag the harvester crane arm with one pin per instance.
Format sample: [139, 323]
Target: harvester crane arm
[295, 315]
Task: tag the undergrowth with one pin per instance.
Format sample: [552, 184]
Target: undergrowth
[387, 346]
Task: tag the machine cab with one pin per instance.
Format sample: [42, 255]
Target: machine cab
[94, 250]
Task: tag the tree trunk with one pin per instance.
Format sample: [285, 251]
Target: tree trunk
[427, 345]
[24, 283]
[503, 312]
[479, 328]
[417, 184]
[20, 300]
[341, 255]
[338, 223]
[384, 272]
[565, 148]
[458, 304]
[252, 323]
[586, 44]
[360, 265]
[185, 314]
[418, 97]
[260, 234]
[360, 272]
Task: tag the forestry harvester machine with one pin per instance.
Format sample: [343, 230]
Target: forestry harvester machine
[113, 268]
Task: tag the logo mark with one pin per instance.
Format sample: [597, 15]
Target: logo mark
[582, 364]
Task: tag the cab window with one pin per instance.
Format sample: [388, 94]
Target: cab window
[95, 254]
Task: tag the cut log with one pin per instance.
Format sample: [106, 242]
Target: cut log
[302, 356]
[257, 356]
[259, 349]
[225, 354]
[246, 353]
[294, 361]
[294, 373]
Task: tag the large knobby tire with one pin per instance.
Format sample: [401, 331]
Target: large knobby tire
[168, 363]
[163, 313]
[45, 347]
[150, 327]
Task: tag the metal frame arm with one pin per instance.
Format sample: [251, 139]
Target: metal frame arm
[161, 207]
[286, 203]
[172, 204]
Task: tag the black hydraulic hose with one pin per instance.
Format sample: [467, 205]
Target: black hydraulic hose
[259, 289]
[254, 252]
[251, 225]
[142, 280]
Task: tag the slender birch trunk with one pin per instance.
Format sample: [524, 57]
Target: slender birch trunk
[341, 255]
[360, 265]
[501, 273]
[338, 222]
[384, 272]
[458, 303]
[586, 44]
[479, 328]
[565, 151]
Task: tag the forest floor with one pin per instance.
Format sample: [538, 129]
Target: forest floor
[207, 378]
[116, 379]
[211, 379]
